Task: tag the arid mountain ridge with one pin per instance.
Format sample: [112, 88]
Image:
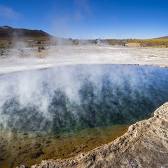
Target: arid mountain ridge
[9, 34]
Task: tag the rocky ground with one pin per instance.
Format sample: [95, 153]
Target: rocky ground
[145, 144]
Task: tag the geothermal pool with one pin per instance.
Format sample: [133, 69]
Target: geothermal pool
[64, 110]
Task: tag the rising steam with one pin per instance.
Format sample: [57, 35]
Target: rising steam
[73, 97]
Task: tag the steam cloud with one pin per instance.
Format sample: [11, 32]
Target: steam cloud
[67, 98]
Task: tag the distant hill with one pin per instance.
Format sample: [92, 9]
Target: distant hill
[164, 37]
[9, 35]
[7, 32]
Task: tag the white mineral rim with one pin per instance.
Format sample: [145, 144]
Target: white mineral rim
[68, 55]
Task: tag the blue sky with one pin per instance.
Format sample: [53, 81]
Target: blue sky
[89, 18]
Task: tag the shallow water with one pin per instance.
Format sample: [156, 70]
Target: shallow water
[29, 149]
[67, 100]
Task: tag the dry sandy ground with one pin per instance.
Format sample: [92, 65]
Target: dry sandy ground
[65, 55]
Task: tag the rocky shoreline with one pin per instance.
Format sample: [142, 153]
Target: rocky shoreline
[145, 144]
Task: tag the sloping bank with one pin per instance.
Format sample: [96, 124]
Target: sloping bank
[145, 144]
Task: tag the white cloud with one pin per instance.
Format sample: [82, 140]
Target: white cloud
[8, 13]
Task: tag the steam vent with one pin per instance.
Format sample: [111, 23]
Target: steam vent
[66, 111]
